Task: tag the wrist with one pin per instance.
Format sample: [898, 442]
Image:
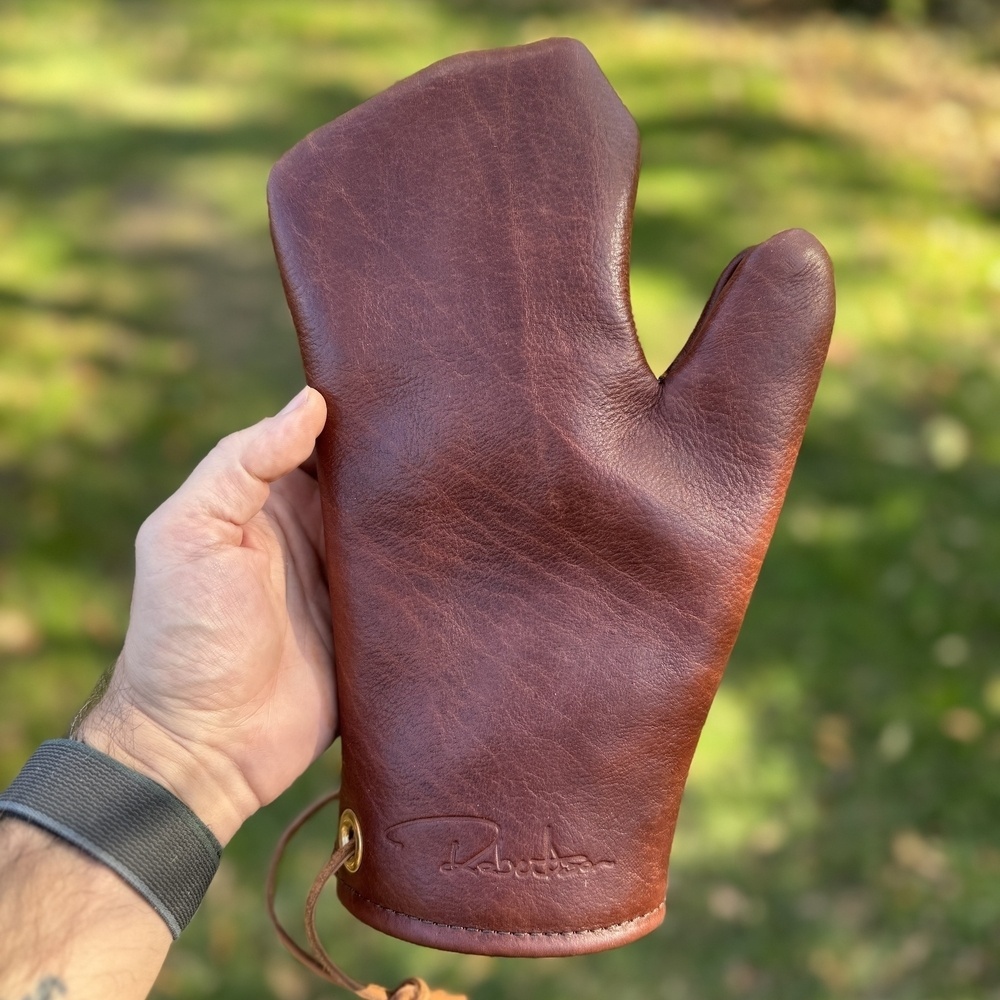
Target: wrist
[125, 820]
[209, 784]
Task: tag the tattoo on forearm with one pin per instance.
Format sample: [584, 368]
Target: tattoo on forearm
[47, 989]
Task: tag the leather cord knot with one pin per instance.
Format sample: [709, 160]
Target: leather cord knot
[318, 961]
[412, 989]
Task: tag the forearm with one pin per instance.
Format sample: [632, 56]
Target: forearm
[91, 885]
[223, 695]
[69, 926]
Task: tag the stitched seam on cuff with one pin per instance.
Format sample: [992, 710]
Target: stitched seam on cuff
[484, 930]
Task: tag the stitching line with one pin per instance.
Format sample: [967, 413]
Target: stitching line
[483, 930]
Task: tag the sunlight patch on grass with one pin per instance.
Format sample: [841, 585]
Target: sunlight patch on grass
[666, 189]
[741, 796]
[664, 312]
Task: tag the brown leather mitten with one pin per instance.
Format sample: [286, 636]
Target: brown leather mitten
[539, 553]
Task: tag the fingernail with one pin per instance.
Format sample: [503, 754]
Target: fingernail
[295, 402]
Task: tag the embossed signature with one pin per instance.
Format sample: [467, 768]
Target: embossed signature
[473, 845]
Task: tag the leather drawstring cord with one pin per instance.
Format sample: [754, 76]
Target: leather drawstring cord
[318, 961]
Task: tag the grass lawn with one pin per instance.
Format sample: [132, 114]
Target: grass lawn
[839, 834]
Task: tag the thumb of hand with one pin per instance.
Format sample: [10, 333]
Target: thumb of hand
[232, 483]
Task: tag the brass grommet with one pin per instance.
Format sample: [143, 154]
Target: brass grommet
[350, 830]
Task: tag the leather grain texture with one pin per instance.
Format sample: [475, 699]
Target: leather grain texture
[539, 554]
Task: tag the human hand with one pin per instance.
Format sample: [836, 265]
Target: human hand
[224, 690]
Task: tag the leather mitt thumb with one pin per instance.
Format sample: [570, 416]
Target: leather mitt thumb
[539, 553]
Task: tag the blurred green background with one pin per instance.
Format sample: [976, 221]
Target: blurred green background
[840, 836]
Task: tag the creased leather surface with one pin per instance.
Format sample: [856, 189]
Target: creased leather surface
[539, 554]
